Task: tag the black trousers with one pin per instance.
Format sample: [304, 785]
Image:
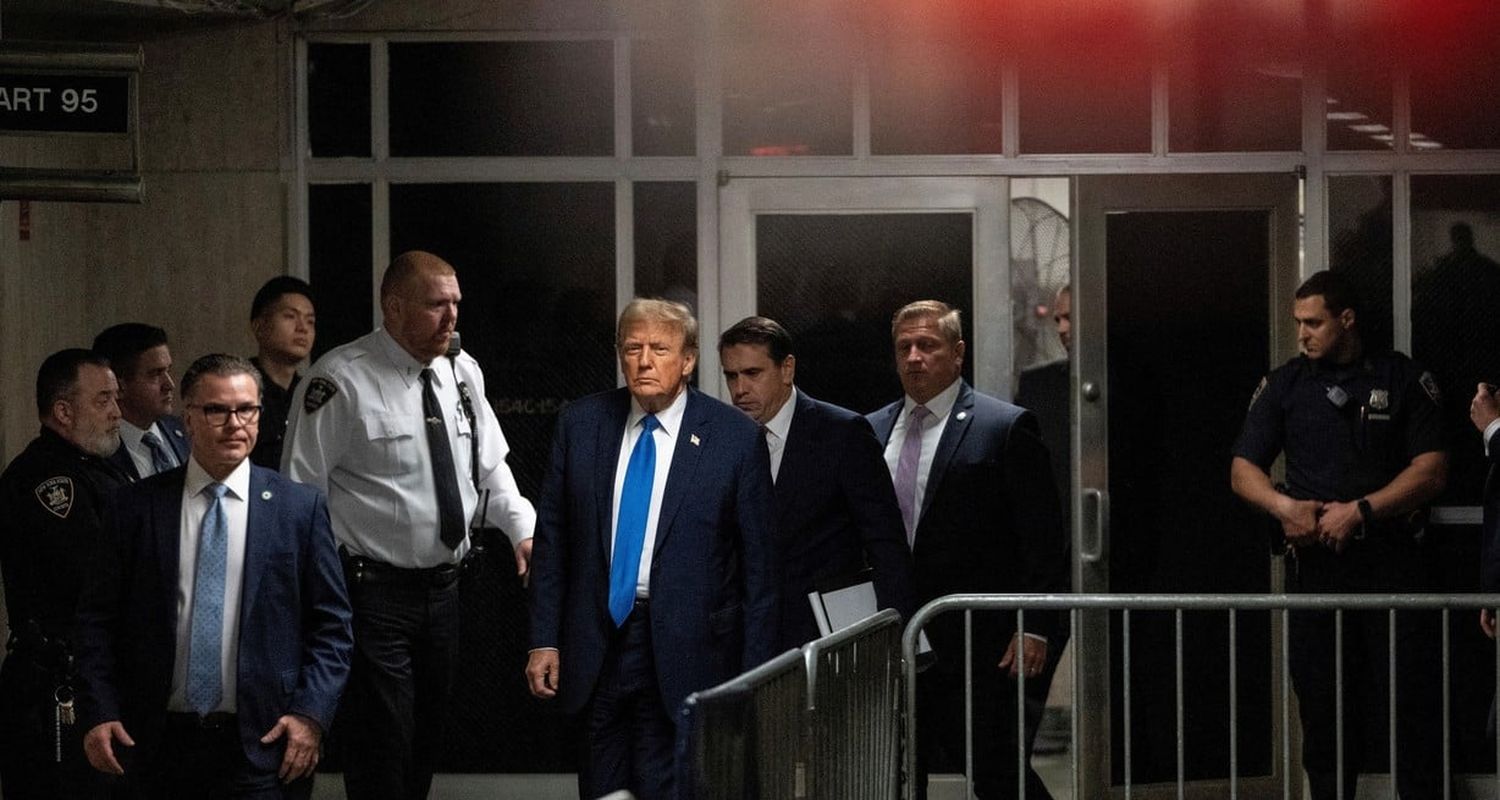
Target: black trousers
[406, 629]
[940, 723]
[29, 768]
[198, 760]
[628, 736]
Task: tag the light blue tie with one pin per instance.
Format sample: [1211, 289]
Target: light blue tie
[630, 532]
[161, 461]
[206, 635]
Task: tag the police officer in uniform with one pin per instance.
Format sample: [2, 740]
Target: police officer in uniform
[390, 425]
[1363, 443]
[51, 498]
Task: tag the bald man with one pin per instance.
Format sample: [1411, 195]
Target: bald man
[396, 429]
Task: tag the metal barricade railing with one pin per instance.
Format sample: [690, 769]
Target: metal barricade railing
[854, 682]
[818, 722]
[1080, 606]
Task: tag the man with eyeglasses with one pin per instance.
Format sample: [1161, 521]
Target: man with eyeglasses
[396, 428]
[214, 638]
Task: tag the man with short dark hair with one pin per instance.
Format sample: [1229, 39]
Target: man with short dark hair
[213, 640]
[152, 439]
[51, 509]
[285, 326]
[973, 479]
[1363, 440]
[655, 570]
[835, 511]
[396, 428]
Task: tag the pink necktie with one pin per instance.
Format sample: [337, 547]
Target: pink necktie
[906, 470]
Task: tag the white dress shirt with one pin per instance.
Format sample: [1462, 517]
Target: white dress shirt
[1489, 435]
[195, 504]
[932, 432]
[366, 446]
[130, 439]
[666, 437]
[776, 430]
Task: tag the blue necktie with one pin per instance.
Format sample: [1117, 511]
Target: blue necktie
[630, 532]
[160, 461]
[206, 634]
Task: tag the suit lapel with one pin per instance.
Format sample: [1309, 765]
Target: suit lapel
[166, 525]
[176, 438]
[884, 421]
[608, 437]
[959, 418]
[121, 458]
[257, 514]
[685, 455]
[794, 456]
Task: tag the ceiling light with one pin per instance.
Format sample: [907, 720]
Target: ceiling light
[1346, 116]
[1373, 127]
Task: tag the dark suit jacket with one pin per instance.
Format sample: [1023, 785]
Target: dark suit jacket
[175, 439]
[295, 640]
[713, 571]
[836, 513]
[991, 520]
[1489, 568]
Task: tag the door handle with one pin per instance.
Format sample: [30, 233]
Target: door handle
[1095, 518]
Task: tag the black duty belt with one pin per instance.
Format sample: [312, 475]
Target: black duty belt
[367, 570]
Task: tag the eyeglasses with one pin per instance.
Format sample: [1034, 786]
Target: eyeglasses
[218, 415]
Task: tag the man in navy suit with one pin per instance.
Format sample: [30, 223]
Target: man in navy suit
[152, 439]
[654, 568]
[214, 640]
[1484, 411]
[975, 485]
[835, 511]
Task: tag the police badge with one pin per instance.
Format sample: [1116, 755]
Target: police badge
[1380, 399]
[56, 495]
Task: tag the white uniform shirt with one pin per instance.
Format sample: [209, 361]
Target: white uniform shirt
[195, 503]
[365, 444]
[940, 406]
[666, 437]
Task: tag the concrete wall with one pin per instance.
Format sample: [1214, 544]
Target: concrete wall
[214, 129]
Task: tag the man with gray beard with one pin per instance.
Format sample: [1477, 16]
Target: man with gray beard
[51, 499]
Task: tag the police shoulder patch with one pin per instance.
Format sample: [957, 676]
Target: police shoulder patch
[319, 391]
[56, 495]
[1429, 385]
[1258, 389]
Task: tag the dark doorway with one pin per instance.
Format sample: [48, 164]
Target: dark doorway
[1187, 338]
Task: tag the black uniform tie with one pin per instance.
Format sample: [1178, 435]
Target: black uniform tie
[444, 474]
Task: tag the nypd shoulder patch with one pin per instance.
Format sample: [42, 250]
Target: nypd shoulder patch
[56, 495]
[319, 392]
[1429, 385]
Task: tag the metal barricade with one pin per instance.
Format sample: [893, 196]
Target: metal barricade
[1093, 610]
[820, 722]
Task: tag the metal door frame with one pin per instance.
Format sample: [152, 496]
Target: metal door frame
[728, 289]
[1093, 199]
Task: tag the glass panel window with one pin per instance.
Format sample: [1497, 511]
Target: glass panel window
[1359, 245]
[339, 256]
[935, 96]
[1235, 77]
[666, 241]
[1455, 244]
[338, 99]
[834, 280]
[1455, 61]
[1040, 257]
[502, 98]
[662, 94]
[787, 98]
[1099, 104]
[1360, 78]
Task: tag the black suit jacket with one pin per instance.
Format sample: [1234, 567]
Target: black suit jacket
[295, 640]
[713, 570]
[990, 521]
[176, 440]
[836, 513]
[1489, 568]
